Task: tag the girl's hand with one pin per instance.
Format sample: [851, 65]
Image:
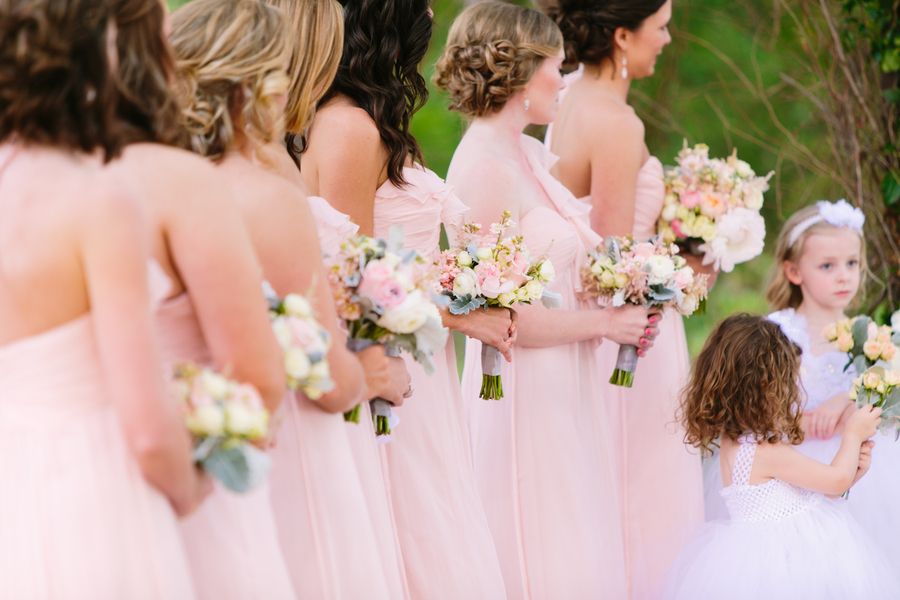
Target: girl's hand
[822, 422]
[863, 423]
[386, 376]
[865, 460]
[492, 326]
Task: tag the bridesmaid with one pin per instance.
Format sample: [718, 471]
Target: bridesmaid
[231, 56]
[213, 316]
[362, 157]
[96, 462]
[317, 28]
[603, 158]
[542, 453]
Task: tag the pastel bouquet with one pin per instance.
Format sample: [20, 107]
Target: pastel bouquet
[712, 207]
[880, 386]
[303, 340]
[621, 271]
[865, 342]
[492, 270]
[383, 294]
[226, 420]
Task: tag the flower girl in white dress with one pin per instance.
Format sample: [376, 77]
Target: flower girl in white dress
[786, 538]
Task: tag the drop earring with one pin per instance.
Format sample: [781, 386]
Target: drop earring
[527, 104]
[624, 67]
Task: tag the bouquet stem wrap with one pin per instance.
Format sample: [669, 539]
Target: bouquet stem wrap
[381, 408]
[491, 384]
[626, 363]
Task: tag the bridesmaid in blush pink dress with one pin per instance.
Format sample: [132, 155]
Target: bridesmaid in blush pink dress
[600, 141]
[95, 461]
[321, 514]
[542, 453]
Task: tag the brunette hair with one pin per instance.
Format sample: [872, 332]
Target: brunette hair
[589, 26]
[230, 60]
[384, 42]
[55, 85]
[745, 381]
[781, 293]
[492, 52]
[316, 30]
[147, 107]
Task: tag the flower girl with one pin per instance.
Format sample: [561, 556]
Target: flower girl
[786, 538]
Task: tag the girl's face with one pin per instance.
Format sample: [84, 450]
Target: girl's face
[828, 270]
[644, 45]
[542, 91]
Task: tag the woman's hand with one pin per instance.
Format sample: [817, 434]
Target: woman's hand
[493, 326]
[201, 488]
[386, 376]
[632, 325]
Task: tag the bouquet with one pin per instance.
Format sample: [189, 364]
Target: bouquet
[304, 341]
[383, 295]
[225, 419]
[621, 271]
[865, 343]
[712, 207]
[492, 270]
[880, 387]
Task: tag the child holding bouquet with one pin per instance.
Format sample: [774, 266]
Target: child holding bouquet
[785, 538]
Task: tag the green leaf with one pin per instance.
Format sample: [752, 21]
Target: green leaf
[860, 331]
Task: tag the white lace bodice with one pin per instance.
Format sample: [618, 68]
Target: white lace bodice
[765, 502]
[822, 376]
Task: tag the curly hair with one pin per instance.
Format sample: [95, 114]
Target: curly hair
[55, 85]
[492, 52]
[147, 107]
[230, 63]
[745, 381]
[384, 42]
[589, 26]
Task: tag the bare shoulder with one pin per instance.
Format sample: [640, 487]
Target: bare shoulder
[613, 120]
[346, 121]
[107, 203]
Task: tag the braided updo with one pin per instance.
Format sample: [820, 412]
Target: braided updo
[492, 52]
[589, 26]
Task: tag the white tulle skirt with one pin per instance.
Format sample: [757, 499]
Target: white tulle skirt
[819, 553]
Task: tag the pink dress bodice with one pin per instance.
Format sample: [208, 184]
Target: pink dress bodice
[649, 196]
[332, 225]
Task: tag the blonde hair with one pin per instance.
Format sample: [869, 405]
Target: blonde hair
[231, 59]
[492, 52]
[781, 293]
[316, 30]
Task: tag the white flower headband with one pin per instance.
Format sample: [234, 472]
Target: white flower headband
[838, 214]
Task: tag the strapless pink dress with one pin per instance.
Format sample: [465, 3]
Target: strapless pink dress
[445, 538]
[77, 518]
[661, 478]
[231, 540]
[543, 454]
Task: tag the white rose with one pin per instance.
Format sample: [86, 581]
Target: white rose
[207, 421]
[892, 377]
[660, 268]
[506, 299]
[297, 306]
[740, 236]
[320, 371]
[214, 385]
[743, 169]
[296, 363]
[547, 272]
[484, 253]
[534, 289]
[241, 420]
[409, 315]
[754, 200]
[464, 259]
[670, 212]
[689, 304]
[282, 332]
[465, 283]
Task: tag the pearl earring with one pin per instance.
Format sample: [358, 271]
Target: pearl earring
[624, 67]
[527, 104]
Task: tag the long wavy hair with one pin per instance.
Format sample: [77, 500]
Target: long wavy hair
[148, 110]
[384, 42]
[230, 61]
[55, 84]
[745, 381]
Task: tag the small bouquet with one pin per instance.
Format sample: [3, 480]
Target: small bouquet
[383, 295]
[304, 341]
[865, 343]
[492, 270]
[621, 271]
[225, 419]
[880, 387]
[712, 207]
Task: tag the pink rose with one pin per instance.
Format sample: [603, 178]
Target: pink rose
[690, 199]
[387, 293]
[644, 250]
[490, 287]
[713, 205]
[303, 332]
[684, 277]
[377, 270]
[248, 396]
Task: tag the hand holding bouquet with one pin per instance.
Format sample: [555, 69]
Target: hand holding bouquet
[383, 296]
[621, 271]
[491, 270]
[712, 207]
[880, 387]
[865, 343]
[225, 419]
[304, 341]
